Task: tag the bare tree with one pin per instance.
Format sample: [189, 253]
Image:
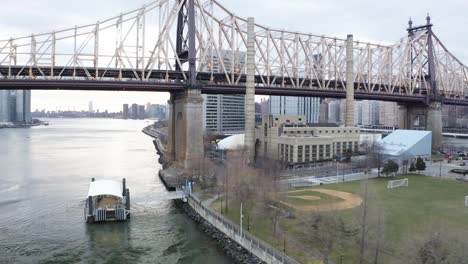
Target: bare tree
[375, 155]
[440, 246]
[371, 220]
[325, 232]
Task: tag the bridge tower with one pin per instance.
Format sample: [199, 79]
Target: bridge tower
[185, 131]
[429, 115]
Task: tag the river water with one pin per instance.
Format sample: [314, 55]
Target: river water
[44, 178]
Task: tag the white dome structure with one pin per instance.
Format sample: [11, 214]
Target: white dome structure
[232, 142]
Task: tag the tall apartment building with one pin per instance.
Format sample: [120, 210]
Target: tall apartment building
[125, 112]
[367, 113]
[224, 113]
[292, 105]
[134, 111]
[4, 106]
[334, 110]
[389, 115]
[15, 106]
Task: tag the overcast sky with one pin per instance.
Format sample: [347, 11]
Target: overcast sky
[368, 20]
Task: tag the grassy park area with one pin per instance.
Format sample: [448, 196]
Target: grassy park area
[406, 216]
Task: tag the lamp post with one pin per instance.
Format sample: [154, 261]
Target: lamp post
[241, 216]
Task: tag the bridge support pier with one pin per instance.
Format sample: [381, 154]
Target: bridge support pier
[418, 117]
[434, 124]
[249, 138]
[185, 131]
[403, 116]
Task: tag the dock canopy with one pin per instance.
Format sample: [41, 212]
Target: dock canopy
[105, 187]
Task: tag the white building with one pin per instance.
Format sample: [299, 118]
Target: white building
[291, 105]
[403, 145]
[224, 113]
[289, 139]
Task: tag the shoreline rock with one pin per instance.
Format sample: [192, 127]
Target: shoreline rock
[229, 246]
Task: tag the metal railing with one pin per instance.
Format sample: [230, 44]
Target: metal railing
[244, 238]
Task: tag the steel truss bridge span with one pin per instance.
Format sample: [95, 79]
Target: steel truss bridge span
[148, 49]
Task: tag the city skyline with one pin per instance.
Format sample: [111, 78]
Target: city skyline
[380, 24]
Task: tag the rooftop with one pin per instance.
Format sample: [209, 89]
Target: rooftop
[401, 140]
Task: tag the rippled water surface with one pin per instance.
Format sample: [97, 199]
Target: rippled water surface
[44, 178]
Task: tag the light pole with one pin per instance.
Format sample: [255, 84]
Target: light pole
[440, 169]
[241, 216]
[337, 173]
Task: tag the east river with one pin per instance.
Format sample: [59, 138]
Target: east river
[44, 178]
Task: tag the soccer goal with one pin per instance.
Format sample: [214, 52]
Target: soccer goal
[397, 183]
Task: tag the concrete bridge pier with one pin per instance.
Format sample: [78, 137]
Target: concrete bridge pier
[423, 117]
[434, 124]
[185, 131]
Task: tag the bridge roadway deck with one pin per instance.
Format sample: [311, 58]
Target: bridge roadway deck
[174, 81]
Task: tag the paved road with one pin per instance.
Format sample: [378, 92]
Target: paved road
[442, 169]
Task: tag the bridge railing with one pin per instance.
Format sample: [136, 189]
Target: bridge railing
[246, 239]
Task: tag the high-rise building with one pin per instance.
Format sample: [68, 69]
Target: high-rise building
[141, 112]
[224, 113]
[323, 113]
[4, 106]
[292, 105]
[134, 111]
[15, 106]
[90, 107]
[334, 112]
[156, 111]
[389, 115]
[367, 113]
[265, 105]
[125, 112]
[19, 106]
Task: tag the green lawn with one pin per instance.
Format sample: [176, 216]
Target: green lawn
[408, 212]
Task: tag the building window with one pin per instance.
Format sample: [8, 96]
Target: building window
[314, 152]
[299, 153]
[282, 152]
[320, 152]
[291, 153]
[356, 146]
[327, 151]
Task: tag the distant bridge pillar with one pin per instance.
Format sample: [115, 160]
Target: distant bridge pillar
[349, 115]
[185, 145]
[402, 116]
[249, 139]
[423, 117]
[434, 124]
